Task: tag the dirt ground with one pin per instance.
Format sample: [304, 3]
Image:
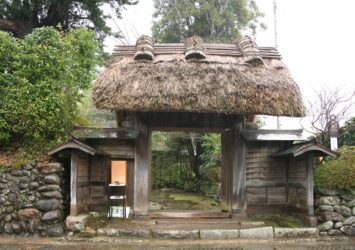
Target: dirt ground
[13, 243]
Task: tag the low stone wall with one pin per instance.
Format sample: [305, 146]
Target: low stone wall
[31, 200]
[336, 212]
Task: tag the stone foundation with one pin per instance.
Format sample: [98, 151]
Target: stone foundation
[31, 200]
[336, 212]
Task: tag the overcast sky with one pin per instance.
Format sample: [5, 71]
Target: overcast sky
[315, 38]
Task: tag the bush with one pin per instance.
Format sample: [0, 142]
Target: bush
[338, 173]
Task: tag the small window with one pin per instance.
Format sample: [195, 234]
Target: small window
[119, 172]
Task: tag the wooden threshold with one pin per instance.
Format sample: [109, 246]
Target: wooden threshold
[189, 214]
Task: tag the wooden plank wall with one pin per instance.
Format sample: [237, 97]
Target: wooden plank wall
[83, 189]
[297, 197]
[116, 148]
[265, 175]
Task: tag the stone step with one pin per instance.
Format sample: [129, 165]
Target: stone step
[258, 233]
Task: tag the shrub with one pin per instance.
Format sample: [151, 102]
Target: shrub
[337, 173]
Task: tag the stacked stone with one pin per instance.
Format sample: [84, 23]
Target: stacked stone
[31, 200]
[336, 212]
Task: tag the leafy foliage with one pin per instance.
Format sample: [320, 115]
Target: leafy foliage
[41, 80]
[338, 173]
[21, 17]
[347, 133]
[213, 20]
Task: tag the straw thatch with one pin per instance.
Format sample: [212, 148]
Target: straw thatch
[226, 81]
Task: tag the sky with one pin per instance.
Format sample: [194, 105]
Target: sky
[315, 38]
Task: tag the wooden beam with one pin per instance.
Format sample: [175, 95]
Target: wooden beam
[73, 183]
[142, 169]
[309, 184]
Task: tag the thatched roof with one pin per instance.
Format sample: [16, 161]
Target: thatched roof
[198, 77]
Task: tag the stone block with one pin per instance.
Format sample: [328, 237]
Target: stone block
[175, 234]
[139, 233]
[53, 215]
[50, 168]
[219, 234]
[256, 233]
[108, 232]
[329, 200]
[348, 230]
[55, 230]
[325, 226]
[76, 223]
[343, 210]
[332, 216]
[326, 208]
[334, 232]
[28, 214]
[349, 221]
[51, 179]
[351, 203]
[296, 232]
[48, 205]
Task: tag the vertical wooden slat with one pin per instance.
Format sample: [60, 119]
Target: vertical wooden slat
[73, 183]
[142, 169]
[309, 184]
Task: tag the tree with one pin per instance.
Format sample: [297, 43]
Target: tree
[328, 105]
[347, 133]
[213, 20]
[21, 17]
[41, 80]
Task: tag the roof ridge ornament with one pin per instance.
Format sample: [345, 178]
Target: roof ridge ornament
[144, 48]
[194, 48]
[250, 50]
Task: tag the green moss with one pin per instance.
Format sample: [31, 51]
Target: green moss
[279, 220]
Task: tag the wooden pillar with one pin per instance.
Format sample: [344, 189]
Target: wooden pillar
[74, 210]
[142, 169]
[234, 169]
[309, 184]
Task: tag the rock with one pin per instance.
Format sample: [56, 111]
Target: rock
[323, 233]
[16, 227]
[48, 205]
[14, 216]
[349, 221]
[346, 197]
[17, 204]
[53, 215]
[7, 218]
[23, 185]
[3, 186]
[27, 167]
[17, 173]
[12, 197]
[175, 234]
[325, 226]
[6, 191]
[329, 200]
[55, 230]
[326, 208]
[31, 198]
[34, 185]
[256, 233]
[348, 230]
[24, 225]
[50, 168]
[343, 210]
[49, 188]
[32, 226]
[351, 203]
[9, 209]
[329, 192]
[2, 199]
[338, 224]
[28, 214]
[52, 194]
[334, 232]
[8, 228]
[296, 232]
[27, 205]
[51, 179]
[353, 212]
[76, 223]
[331, 216]
[219, 234]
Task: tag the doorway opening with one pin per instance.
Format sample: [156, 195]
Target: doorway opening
[185, 172]
[118, 172]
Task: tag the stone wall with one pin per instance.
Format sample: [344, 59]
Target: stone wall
[336, 212]
[31, 200]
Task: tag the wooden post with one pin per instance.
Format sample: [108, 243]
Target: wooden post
[309, 184]
[73, 183]
[233, 183]
[142, 169]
